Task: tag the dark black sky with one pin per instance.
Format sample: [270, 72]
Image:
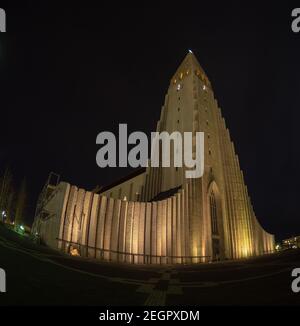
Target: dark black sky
[68, 73]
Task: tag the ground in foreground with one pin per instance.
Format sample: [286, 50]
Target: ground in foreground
[40, 276]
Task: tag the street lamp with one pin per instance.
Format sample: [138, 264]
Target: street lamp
[3, 214]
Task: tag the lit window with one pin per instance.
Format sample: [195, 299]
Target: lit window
[204, 87]
[179, 87]
[181, 75]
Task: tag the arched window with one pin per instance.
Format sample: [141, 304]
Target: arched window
[213, 214]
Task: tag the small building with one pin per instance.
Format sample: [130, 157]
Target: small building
[293, 242]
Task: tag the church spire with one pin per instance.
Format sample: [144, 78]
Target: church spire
[190, 64]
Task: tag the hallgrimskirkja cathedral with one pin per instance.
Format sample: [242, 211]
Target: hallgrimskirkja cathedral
[156, 215]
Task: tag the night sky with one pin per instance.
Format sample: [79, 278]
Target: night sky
[67, 74]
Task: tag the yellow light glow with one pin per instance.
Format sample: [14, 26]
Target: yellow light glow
[74, 252]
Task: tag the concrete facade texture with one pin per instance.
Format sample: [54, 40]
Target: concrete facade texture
[208, 218]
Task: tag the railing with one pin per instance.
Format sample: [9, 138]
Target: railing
[127, 257]
[268, 252]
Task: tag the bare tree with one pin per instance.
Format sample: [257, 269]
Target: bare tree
[21, 204]
[11, 206]
[6, 191]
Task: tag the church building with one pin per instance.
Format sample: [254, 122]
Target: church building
[156, 215]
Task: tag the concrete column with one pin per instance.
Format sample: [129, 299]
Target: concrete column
[148, 229]
[63, 215]
[159, 228]
[135, 231]
[115, 229]
[93, 227]
[108, 227]
[129, 229]
[179, 225]
[77, 220]
[164, 230]
[70, 214]
[122, 230]
[85, 217]
[101, 225]
[154, 232]
[141, 237]
[169, 229]
[174, 228]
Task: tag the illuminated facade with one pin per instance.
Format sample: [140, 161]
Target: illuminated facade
[157, 215]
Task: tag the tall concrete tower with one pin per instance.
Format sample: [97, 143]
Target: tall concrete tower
[221, 215]
[189, 107]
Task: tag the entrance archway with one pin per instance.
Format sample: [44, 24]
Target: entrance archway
[216, 222]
